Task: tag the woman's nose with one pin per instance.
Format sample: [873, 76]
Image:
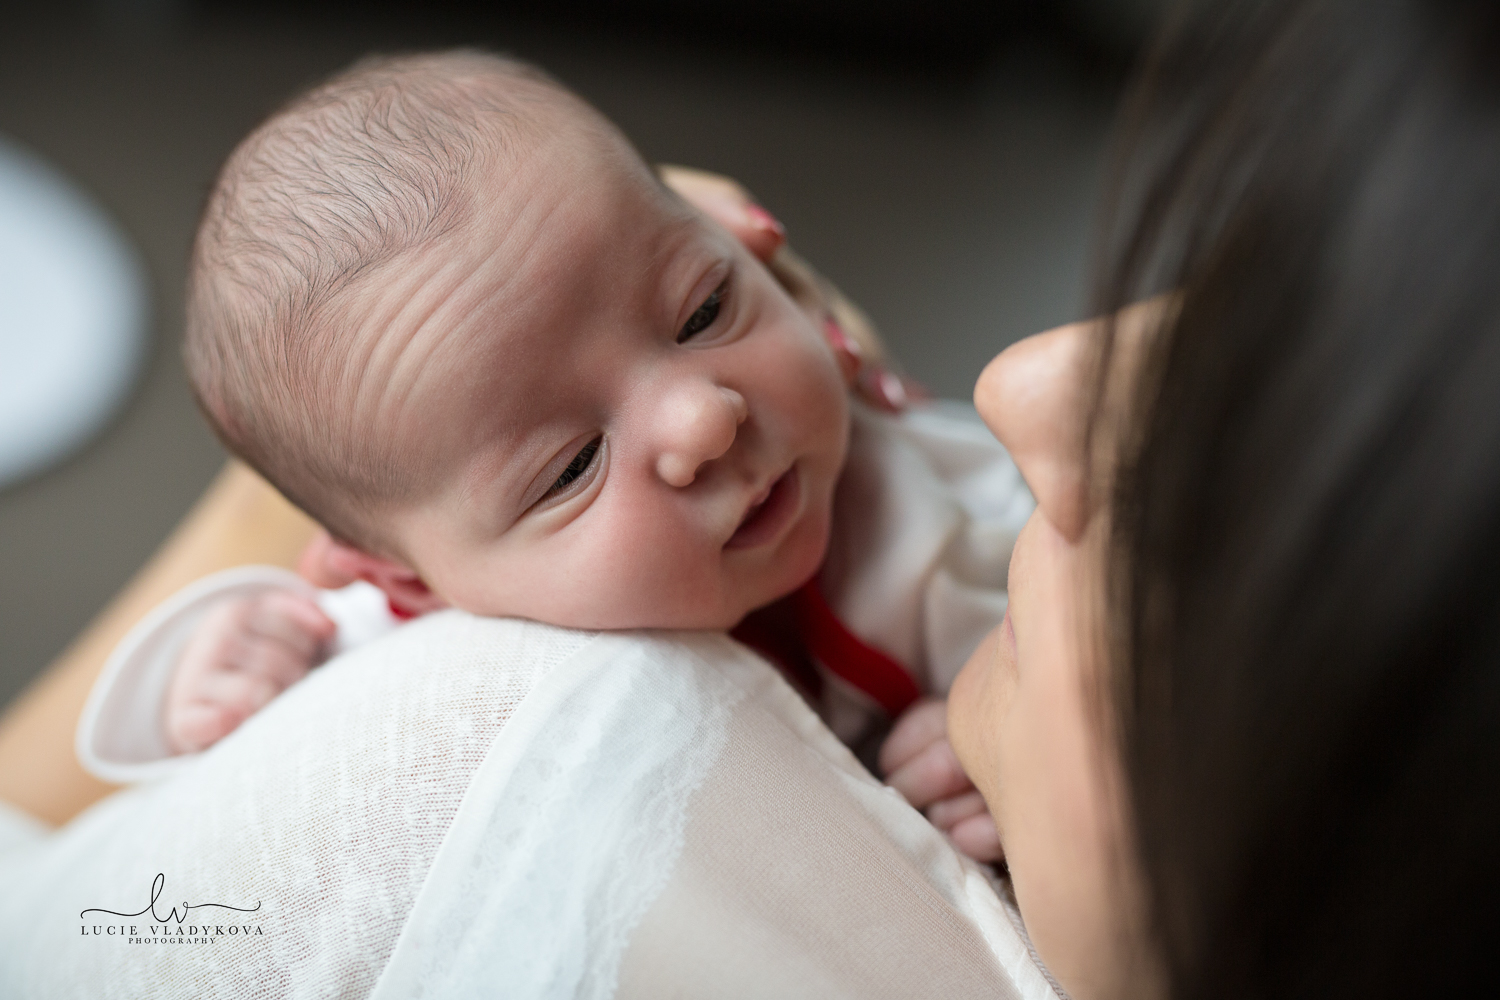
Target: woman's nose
[1034, 398]
[698, 423]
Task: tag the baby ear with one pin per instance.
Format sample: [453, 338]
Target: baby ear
[322, 565]
[330, 563]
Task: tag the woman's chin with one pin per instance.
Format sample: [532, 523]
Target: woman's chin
[971, 718]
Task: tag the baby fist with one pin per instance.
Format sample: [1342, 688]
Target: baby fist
[918, 762]
[246, 652]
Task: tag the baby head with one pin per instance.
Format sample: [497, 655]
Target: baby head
[444, 306]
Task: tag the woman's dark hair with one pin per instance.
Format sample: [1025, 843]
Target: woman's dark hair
[1305, 579]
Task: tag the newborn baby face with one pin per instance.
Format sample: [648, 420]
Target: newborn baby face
[621, 419]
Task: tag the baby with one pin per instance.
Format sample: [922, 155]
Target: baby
[446, 309]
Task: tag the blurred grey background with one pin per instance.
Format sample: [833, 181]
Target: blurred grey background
[939, 159]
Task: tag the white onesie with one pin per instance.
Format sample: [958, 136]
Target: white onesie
[925, 516]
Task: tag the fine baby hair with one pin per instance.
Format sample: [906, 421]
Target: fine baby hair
[331, 190]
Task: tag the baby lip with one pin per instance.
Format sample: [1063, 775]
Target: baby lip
[758, 499]
[767, 512]
[756, 502]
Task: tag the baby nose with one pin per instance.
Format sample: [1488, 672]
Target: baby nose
[699, 423]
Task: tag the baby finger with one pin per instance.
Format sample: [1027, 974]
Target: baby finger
[195, 725]
[978, 837]
[238, 693]
[270, 661]
[947, 813]
[918, 728]
[933, 774]
[292, 620]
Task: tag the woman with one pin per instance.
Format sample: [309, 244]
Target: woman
[1245, 711]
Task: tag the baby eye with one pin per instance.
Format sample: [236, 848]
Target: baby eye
[576, 468]
[703, 317]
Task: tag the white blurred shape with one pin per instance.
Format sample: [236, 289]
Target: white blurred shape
[73, 310]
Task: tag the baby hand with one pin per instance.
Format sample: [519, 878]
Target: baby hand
[246, 652]
[730, 205]
[920, 764]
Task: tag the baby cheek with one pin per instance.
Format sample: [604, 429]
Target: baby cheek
[810, 390]
[647, 567]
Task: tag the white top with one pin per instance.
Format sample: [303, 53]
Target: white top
[925, 517]
[486, 807]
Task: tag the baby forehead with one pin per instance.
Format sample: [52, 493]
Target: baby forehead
[559, 282]
[564, 224]
[552, 268]
[567, 222]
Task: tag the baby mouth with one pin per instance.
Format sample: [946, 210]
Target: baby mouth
[769, 514]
